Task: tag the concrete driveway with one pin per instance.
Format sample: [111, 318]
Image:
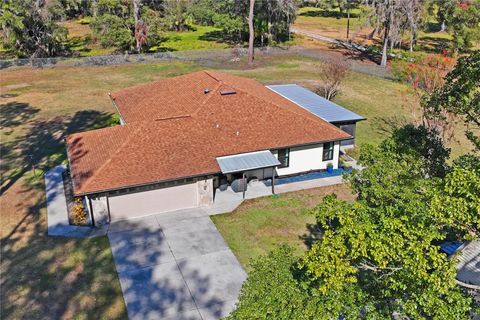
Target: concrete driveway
[175, 266]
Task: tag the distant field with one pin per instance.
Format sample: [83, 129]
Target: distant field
[200, 38]
[333, 24]
[82, 40]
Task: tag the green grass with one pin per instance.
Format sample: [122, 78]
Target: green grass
[259, 225]
[80, 39]
[200, 38]
[332, 17]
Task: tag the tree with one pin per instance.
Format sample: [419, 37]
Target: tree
[251, 32]
[425, 76]
[140, 27]
[113, 31]
[29, 28]
[176, 14]
[332, 73]
[460, 95]
[462, 18]
[278, 289]
[273, 19]
[392, 19]
[379, 257]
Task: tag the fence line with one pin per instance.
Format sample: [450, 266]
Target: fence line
[207, 57]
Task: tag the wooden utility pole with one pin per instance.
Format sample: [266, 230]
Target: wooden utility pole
[251, 31]
[348, 19]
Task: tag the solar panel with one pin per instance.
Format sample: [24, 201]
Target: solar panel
[319, 106]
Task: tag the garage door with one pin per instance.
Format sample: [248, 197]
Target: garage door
[152, 201]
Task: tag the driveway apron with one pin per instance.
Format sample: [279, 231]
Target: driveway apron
[175, 266]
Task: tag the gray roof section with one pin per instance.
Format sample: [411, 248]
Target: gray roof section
[319, 106]
[247, 161]
[468, 269]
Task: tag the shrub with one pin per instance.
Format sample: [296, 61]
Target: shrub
[113, 31]
[86, 20]
[78, 212]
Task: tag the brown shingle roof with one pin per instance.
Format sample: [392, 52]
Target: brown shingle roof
[165, 138]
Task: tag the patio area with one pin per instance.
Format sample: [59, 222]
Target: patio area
[228, 200]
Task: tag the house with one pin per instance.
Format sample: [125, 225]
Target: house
[181, 138]
[323, 108]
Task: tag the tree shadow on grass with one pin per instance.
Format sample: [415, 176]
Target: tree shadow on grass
[13, 114]
[52, 277]
[42, 146]
[219, 36]
[328, 14]
[387, 125]
[313, 234]
[432, 44]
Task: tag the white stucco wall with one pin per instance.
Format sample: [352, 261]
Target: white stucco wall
[307, 158]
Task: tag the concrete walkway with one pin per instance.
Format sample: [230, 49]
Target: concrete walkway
[57, 212]
[175, 265]
[228, 200]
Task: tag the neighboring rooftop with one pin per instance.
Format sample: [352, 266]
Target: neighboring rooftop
[175, 128]
[468, 269]
[319, 106]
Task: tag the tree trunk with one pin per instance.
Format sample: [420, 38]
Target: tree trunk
[251, 31]
[443, 27]
[94, 8]
[269, 30]
[348, 22]
[136, 17]
[383, 63]
[412, 41]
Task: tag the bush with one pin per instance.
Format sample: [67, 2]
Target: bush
[78, 212]
[113, 31]
[86, 20]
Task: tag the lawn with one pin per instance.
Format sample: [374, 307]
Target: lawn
[81, 40]
[261, 224]
[38, 107]
[198, 38]
[329, 23]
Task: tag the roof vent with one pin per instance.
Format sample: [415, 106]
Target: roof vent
[206, 90]
[227, 92]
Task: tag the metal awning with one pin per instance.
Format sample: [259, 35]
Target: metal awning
[247, 161]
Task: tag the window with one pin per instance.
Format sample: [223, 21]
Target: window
[327, 151]
[284, 157]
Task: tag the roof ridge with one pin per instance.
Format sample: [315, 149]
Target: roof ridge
[209, 96]
[99, 170]
[212, 76]
[305, 114]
